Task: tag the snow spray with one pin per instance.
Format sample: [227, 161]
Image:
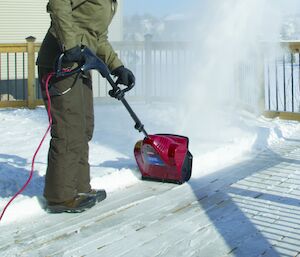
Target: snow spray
[226, 72]
[46, 81]
[228, 38]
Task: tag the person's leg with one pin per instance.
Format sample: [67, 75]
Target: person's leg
[83, 182]
[67, 139]
[83, 186]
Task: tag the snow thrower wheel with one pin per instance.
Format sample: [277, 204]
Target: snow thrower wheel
[187, 167]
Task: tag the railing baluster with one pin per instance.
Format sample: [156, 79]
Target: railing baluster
[299, 77]
[154, 74]
[0, 66]
[8, 80]
[23, 79]
[284, 84]
[142, 70]
[276, 85]
[135, 65]
[173, 76]
[16, 77]
[269, 88]
[0, 75]
[292, 79]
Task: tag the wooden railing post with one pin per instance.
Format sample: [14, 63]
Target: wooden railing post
[148, 67]
[31, 97]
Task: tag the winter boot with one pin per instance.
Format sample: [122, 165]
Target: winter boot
[99, 194]
[76, 205]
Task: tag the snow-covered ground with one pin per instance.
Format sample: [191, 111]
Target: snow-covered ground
[214, 145]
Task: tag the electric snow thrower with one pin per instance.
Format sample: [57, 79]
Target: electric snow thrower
[160, 157]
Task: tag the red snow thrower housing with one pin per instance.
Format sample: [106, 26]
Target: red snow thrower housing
[160, 157]
[164, 157]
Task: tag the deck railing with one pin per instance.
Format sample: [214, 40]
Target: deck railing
[156, 64]
[282, 81]
[153, 63]
[18, 83]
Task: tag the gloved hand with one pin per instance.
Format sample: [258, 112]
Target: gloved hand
[73, 55]
[125, 76]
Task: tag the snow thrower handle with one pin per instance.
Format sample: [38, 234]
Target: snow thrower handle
[92, 62]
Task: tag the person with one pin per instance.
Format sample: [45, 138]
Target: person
[74, 24]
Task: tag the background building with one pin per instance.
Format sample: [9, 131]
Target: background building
[22, 18]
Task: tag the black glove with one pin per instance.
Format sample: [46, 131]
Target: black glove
[73, 55]
[125, 76]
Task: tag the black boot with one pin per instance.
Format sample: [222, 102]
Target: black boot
[76, 205]
[99, 194]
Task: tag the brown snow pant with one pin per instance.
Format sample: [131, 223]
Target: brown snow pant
[68, 171]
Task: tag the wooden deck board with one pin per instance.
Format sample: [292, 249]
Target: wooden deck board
[249, 209]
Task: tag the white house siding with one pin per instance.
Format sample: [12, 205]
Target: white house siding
[22, 18]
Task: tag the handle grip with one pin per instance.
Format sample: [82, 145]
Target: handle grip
[91, 61]
[60, 72]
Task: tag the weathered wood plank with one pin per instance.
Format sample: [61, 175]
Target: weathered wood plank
[249, 209]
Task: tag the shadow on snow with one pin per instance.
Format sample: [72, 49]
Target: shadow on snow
[13, 177]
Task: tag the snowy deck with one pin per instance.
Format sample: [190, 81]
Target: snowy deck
[249, 209]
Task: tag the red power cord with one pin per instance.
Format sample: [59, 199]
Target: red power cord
[48, 78]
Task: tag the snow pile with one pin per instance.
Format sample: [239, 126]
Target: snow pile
[111, 151]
